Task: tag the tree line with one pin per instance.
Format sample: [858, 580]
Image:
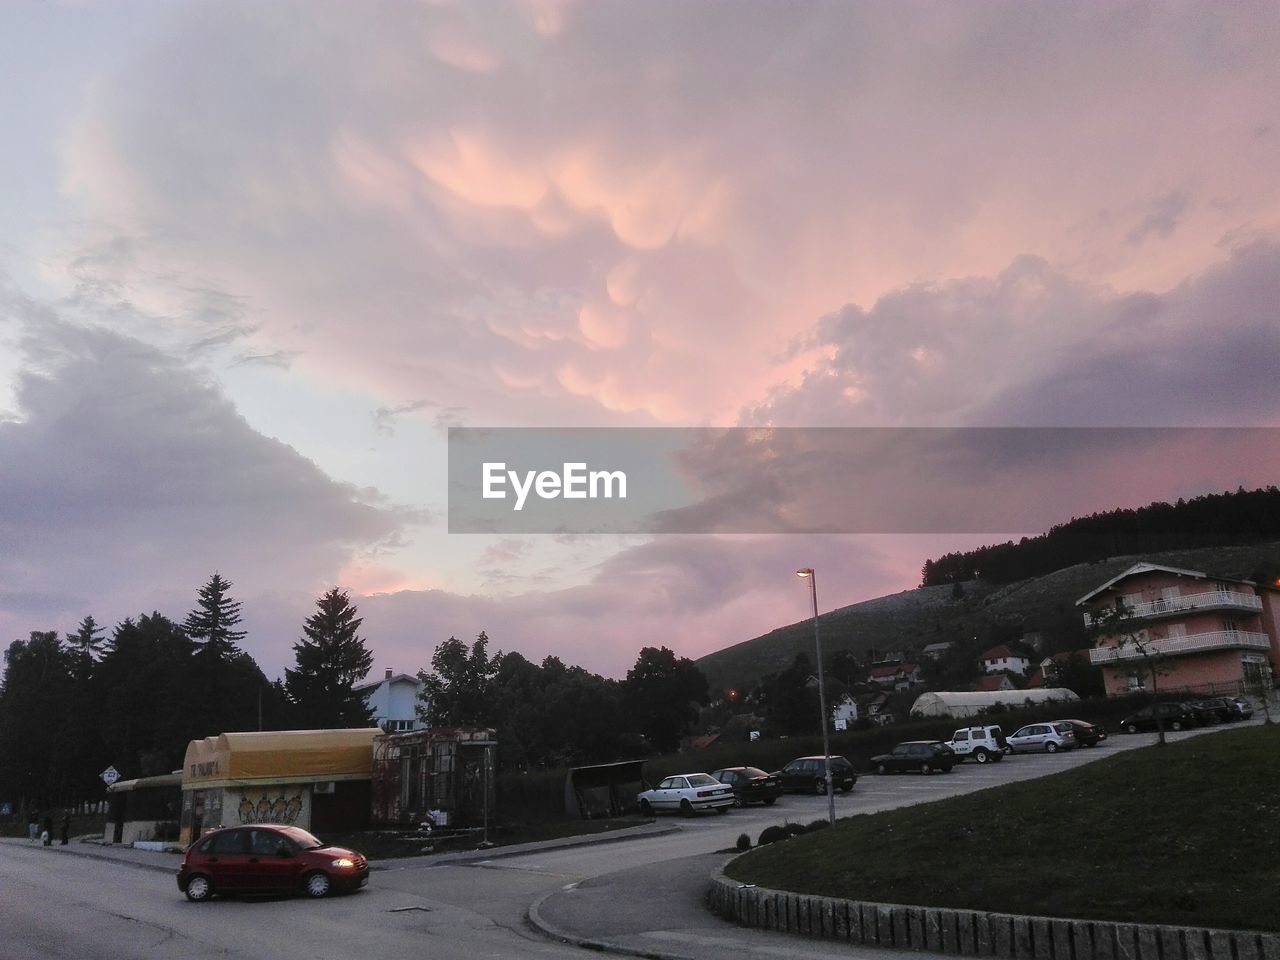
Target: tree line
[70, 706]
[1246, 516]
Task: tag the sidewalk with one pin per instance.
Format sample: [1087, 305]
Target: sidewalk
[95, 849]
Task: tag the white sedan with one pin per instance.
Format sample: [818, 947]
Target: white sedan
[687, 792]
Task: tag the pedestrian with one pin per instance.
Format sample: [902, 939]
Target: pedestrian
[46, 837]
[33, 824]
[66, 827]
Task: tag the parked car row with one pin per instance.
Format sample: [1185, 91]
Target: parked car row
[739, 786]
[1181, 716]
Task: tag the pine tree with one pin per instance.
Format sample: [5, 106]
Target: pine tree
[330, 658]
[211, 624]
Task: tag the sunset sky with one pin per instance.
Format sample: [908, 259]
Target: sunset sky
[256, 258]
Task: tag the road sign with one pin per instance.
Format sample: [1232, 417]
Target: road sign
[110, 775]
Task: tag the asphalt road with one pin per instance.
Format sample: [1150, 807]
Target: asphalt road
[643, 894]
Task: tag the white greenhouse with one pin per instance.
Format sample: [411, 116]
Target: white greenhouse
[968, 703]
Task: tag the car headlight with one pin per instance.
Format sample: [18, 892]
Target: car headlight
[344, 863]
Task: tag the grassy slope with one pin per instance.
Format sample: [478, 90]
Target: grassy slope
[1187, 834]
[917, 617]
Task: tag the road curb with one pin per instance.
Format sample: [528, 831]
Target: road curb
[466, 858]
[977, 933]
[539, 923]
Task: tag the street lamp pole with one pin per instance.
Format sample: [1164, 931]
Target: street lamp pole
[808, 574]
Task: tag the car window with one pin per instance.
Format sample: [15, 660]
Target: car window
[750, 772]
[701, 780]
[728, 776]
[667, 784]
[794, 766]
[227, 843]
[1023, 732]
[902, 750]
[679, 783]
[961, 735]
[266, 843]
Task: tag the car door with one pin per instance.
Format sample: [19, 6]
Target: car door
[1024, 738]
[675, 792]
[272, 862]
[227, 859]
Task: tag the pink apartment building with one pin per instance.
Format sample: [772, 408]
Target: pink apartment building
[1212, 634]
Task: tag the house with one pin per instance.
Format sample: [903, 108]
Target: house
[1003, 658]
[1048, 671]
[1196, 632]
[845, 712]
[935, 651]
[394, 701]
[885, 675]
[993, 684]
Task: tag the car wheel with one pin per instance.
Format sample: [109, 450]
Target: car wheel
[820, 787]
[1131, 728]
[316, 884]
[1050, 747]
[686, 808]
[737, 801]
[981, 756]
[881, 769]
[646, 808]
[1007, 749]
[925, 768]
[847, 789]
[1175, 725]
[199, 888]
[722, 809]
[770, 801]
[948, 768]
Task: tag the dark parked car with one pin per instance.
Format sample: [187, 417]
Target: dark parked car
[752, 785]
[1174, 716]
[1243, 707]
[1205, 715]
[263, 858]
[1224, 708]
[1087, 734]
[923, 755]
[809, 775]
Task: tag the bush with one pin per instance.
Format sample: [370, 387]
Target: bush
[744, 842]
[794, 829]
[818, 825]
[772, 834]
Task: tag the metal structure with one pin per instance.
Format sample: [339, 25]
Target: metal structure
[442, 774]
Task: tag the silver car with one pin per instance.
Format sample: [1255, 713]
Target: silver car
[1049, 737]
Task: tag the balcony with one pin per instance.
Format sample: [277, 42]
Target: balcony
[1175, 646]
[1210, 600]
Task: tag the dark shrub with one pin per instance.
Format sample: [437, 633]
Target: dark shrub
[744, 842]
[794, 829]
[818, 825]
[772, 834]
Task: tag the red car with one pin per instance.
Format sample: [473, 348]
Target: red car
[263, 858]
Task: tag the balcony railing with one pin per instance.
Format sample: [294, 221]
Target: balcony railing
[1210, 600]
[1172, 646]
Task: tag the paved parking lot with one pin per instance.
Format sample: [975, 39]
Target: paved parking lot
[874, 793]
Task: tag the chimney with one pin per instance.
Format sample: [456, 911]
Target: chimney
[388, 673]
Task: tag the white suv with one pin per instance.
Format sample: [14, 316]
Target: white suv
[984, 744]
[1049, 737]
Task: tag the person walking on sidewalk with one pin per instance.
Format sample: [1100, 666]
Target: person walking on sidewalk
[65, 828]
[33, 825]
[46, 836]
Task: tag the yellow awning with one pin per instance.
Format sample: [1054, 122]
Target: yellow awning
[280, 756]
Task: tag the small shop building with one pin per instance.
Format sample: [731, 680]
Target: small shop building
[444, 775]
[315, 779]
[144, 809]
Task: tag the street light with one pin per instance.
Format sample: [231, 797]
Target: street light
[808, 574]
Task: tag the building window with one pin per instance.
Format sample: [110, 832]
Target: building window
[1136, 682]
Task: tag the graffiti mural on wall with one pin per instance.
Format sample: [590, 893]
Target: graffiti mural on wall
[264, 807]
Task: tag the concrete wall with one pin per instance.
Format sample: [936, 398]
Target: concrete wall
[973, 933]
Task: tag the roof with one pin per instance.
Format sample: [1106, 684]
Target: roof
[282, 756]
[398, 678]
[994, 682]
[1001, 652]
[889, 671]
[706, 740]
[1140, 568]
[940, 645]
[975, 698]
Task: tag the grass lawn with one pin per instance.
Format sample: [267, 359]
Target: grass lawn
[1185, 834]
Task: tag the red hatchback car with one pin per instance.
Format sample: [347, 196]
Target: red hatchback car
[263, 858]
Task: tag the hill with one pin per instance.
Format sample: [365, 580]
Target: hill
[975, 616]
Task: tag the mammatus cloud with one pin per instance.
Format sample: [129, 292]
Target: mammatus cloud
[612, 212]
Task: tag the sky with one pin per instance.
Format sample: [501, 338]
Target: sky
[256, 259]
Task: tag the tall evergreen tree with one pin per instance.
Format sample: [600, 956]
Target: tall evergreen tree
[212, 624]
[331, 656]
